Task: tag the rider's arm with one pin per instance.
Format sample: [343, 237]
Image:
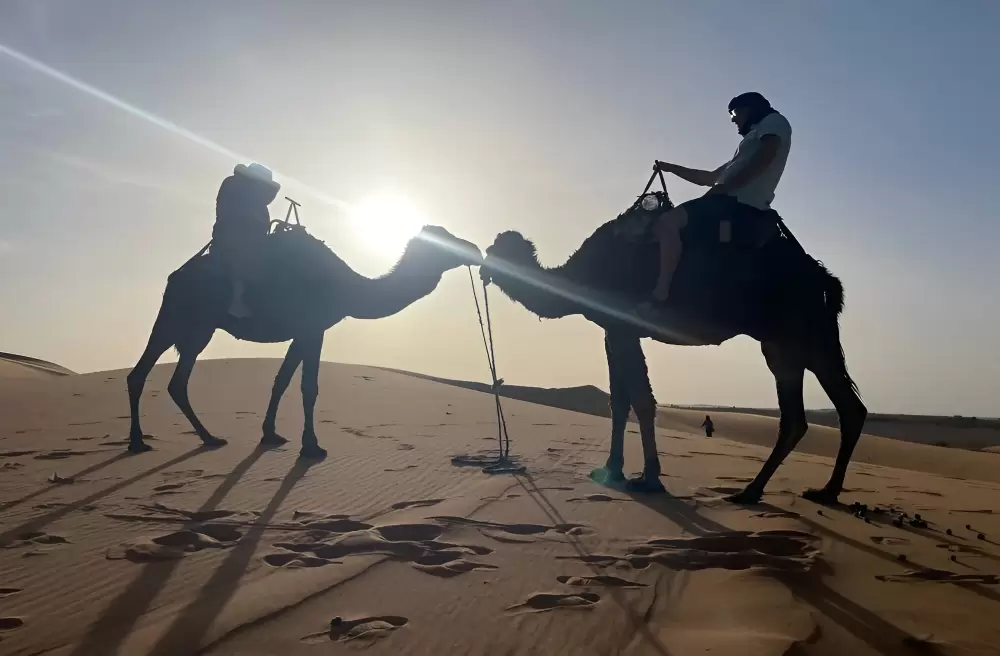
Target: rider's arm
[694, 176]
[757, 164]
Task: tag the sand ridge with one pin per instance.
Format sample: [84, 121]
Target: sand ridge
[249, 551]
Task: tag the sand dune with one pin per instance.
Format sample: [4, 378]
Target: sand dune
[760, 429]
[389, 546]
[20, 367]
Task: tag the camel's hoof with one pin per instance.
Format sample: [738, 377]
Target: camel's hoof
[823, 497]
[212, 442]
[745, 497]
[645, 485]
[138, 447]
[312, 452]
[272, 441]
[606, 476]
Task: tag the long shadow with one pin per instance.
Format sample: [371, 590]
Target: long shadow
[38, 522]
[185, 634]
[974, 588]
[640, 622]
[121, 455]
[879, 634]
[116, 623]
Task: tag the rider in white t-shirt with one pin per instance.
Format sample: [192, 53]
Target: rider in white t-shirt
[744, 184]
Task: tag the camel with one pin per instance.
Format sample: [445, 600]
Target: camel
[302, 290]
[761, 284]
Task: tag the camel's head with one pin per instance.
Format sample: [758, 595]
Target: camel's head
[445, 249]
[510, 251]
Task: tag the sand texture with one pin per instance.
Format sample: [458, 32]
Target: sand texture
[391, 548]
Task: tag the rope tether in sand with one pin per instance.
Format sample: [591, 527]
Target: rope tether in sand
[503, 464]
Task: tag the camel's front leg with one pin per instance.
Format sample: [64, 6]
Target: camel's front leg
[293, 357]
[613, 469]
[311, 348]
[630, 361]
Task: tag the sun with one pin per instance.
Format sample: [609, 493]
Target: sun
[385, 221]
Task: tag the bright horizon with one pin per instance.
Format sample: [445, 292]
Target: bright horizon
[542, 119]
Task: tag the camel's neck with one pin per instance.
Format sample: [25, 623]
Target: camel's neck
[548, 293]
[408, 282]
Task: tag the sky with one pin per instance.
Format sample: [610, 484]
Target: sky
[538, 116]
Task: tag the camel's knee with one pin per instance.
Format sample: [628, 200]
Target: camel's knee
[620, 405]
[177, 391]
[797, 428]
[310, 391]
[645, 410]
[135, 379]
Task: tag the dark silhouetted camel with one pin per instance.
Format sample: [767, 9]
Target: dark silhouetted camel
[760, 284]
[303, 289]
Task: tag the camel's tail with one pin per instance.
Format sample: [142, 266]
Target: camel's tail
[833, 291]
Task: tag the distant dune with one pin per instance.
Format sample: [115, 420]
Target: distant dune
[974, 433]
[760, 426]
[20, 366]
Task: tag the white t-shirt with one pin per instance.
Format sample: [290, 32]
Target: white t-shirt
[759, 192]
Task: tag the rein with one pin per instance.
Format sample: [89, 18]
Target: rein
[503, 465]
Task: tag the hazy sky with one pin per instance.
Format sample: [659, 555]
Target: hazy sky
[531, 115]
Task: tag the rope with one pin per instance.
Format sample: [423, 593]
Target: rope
[503, 437]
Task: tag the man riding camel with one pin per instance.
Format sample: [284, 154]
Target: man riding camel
[739, 190]
[241, 226]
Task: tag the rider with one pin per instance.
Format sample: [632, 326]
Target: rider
[743, 186]
[241, 225]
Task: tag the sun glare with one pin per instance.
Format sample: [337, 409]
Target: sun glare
[386, 221]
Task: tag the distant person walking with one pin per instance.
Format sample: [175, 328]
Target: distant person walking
[708, 426]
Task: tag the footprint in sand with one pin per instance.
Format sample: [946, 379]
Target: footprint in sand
[420, 503]
[600, 498]
[416, 544]
[779, 514]
[176, 545]
[717, 490]
[365, 628]
[10, 623]
[600, 580]
[731, 550]
[182, 473]
[158, 512]
[515, 533]
[15, 454]
[401, 469]
[35, 538]
[61, 454]
[545, 601]
[601, 560]
[939, 576]
[169, 487]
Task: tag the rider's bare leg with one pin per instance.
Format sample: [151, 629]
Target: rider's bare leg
[668, 230]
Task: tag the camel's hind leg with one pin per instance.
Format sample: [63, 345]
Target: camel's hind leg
[293, 357]
[786, 362]
[830, 368]
[189, 348]
[161, 338]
